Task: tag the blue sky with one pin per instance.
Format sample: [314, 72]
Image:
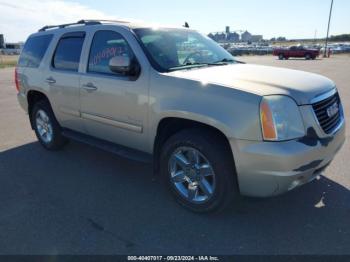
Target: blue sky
[290, 18]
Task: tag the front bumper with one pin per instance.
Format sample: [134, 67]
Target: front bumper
[271, 168]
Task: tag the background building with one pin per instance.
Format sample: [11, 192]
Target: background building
[10, 48]
[2, 41]
[232, 37]
[256, 38]
[229, 36]
[246, 37]
[219, 37]
[226, 36]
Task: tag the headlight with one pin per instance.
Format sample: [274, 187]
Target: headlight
[280, 118]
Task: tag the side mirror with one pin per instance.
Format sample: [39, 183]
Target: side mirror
[120, 64]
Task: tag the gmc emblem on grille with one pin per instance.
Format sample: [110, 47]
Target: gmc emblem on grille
[333, 109]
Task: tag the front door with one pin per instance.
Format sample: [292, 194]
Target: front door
[113, 106]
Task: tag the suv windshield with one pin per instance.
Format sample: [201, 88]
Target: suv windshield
[176, 49]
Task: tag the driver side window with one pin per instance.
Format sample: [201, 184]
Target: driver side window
[106, 45]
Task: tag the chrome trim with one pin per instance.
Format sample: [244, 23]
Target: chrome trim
[323, 96]
[89, 87]
[112, 122]
[342, 117]
[336, 129]
[342, 120]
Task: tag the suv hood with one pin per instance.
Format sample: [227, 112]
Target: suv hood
[261, 80]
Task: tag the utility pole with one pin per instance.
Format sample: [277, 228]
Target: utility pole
[315, 36]
[329, 22]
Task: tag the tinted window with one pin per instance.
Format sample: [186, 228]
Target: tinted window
[105, 45]
[34, 50]
[67, 54]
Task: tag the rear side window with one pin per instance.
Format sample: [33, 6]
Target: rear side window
[106, 45]
[34, 50]
[68, 51]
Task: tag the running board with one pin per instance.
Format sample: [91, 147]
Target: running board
[119, 150]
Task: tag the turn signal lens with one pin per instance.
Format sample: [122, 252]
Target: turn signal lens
[267, 123]
[280, 118]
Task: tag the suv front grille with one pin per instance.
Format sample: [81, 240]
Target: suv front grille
[328, 113]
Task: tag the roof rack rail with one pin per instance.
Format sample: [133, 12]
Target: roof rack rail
[104, 20]
[80, 22]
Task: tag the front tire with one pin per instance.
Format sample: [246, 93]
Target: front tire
[198, 168]
[308, 56]
[46, 127]
[281, 56]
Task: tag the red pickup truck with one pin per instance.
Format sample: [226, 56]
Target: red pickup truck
[296, 51]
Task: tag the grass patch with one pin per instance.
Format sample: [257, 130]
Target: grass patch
[8, 64]
[8, 60]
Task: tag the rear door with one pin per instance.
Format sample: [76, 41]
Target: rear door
[62, 79]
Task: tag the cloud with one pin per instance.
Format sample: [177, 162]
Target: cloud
[19, 19]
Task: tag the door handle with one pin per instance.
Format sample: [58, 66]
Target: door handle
[89, 87]
[50, 80]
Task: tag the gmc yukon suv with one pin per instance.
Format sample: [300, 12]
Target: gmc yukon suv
[296, 51]
[213, 127]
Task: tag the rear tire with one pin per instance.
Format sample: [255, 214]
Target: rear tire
[212, 191]
[281, 56]
[308, 57]
[46, 127]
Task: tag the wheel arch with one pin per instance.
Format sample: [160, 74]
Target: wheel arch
[170, 125]
[33, 96]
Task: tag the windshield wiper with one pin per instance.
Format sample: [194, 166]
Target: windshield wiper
[188, 65]
[224, 61]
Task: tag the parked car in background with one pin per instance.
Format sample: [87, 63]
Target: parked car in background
[11, 49]
[296, 51]
[213, 128]
[338, 48]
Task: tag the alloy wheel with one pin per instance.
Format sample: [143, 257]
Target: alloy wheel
[192, 174]
[44, 126]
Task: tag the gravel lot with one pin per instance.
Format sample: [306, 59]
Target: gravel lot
[85, 201]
